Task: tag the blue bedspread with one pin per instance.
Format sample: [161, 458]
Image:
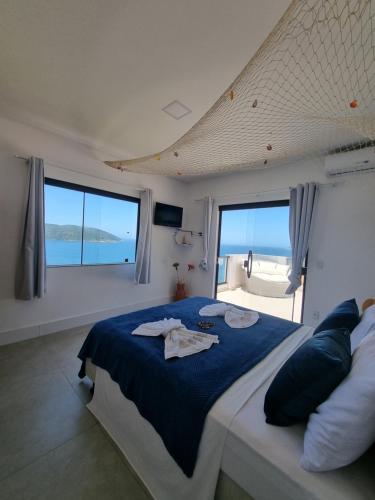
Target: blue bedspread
[175, 395]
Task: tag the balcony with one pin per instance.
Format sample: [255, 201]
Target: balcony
[265, 290]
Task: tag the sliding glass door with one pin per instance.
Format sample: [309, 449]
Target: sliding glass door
[254, 259]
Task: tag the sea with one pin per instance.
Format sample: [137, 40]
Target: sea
[263, 250]
[65, 253]
[68, 253]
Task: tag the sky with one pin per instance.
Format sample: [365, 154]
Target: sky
[65, 206]
[268, 227]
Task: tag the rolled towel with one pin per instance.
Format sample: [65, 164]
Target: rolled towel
[218, 309]
[234, 317]
[156, 328]
[237, 318]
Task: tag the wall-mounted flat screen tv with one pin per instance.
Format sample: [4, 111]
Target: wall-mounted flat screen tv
[167, 215]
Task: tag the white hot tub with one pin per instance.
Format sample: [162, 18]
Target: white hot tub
[268, 278]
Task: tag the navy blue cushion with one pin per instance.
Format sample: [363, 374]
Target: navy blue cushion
[308, 377]
[345, 315]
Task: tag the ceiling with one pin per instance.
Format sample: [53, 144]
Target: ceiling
[102, 71]
[307, 92]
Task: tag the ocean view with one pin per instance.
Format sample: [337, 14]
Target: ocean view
[90, 229]
[263, 250]
[64, 253]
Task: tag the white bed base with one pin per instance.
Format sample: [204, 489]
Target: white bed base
[256, 461]
[226, 488]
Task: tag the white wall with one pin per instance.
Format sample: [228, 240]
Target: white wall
[341, 257]
[341, 263]
[76, 295]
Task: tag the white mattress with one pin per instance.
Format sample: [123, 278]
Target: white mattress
[264, 461]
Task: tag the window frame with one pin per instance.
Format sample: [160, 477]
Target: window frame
[249, 205]
[48, 181]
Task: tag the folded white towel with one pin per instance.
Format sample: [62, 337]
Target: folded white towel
[179, 341]
[236, 318]
[182, 342]
[233, 317]
[218, 309]
[156, 328]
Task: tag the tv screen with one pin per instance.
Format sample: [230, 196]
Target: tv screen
[167, 215]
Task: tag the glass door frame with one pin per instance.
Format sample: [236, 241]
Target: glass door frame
[252, 205]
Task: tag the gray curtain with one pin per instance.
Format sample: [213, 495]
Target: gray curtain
[208, 207]
[143, 260]
[302, 202]
[31, 270]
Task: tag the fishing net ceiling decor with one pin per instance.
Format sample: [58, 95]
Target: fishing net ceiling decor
[308, 91]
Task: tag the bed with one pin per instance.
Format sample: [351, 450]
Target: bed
[238, 452]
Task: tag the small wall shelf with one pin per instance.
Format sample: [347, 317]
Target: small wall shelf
[193, 233]
[184, 237]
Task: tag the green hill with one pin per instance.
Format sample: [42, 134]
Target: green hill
[73, 233]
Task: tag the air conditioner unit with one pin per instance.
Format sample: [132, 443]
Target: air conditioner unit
[350, 162]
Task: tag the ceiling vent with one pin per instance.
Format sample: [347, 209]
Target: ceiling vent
[176, 110]
[350, 162]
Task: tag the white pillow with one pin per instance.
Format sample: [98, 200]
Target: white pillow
[266, 266]
[282, 269]
[343, 427]
[366, 324]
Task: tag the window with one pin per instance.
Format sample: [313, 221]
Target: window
[86, 226]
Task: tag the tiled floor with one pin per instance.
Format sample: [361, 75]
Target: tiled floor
[51, 447]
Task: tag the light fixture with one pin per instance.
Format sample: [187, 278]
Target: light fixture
[176, 110]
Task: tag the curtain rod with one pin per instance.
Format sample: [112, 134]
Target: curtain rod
[259, 193]
[58, 165]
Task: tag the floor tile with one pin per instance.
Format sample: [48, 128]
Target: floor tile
[84, 468]
[51, 447]
[24, 348]
[65, 346]
[26, 362]
[36, 415]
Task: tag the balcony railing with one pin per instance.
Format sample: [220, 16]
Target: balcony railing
[269, 274]
[223, 269]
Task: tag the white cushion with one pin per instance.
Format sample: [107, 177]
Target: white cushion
[282, 269]
[366, 324]
[343, 427]
[274, 278]
[265, 266]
